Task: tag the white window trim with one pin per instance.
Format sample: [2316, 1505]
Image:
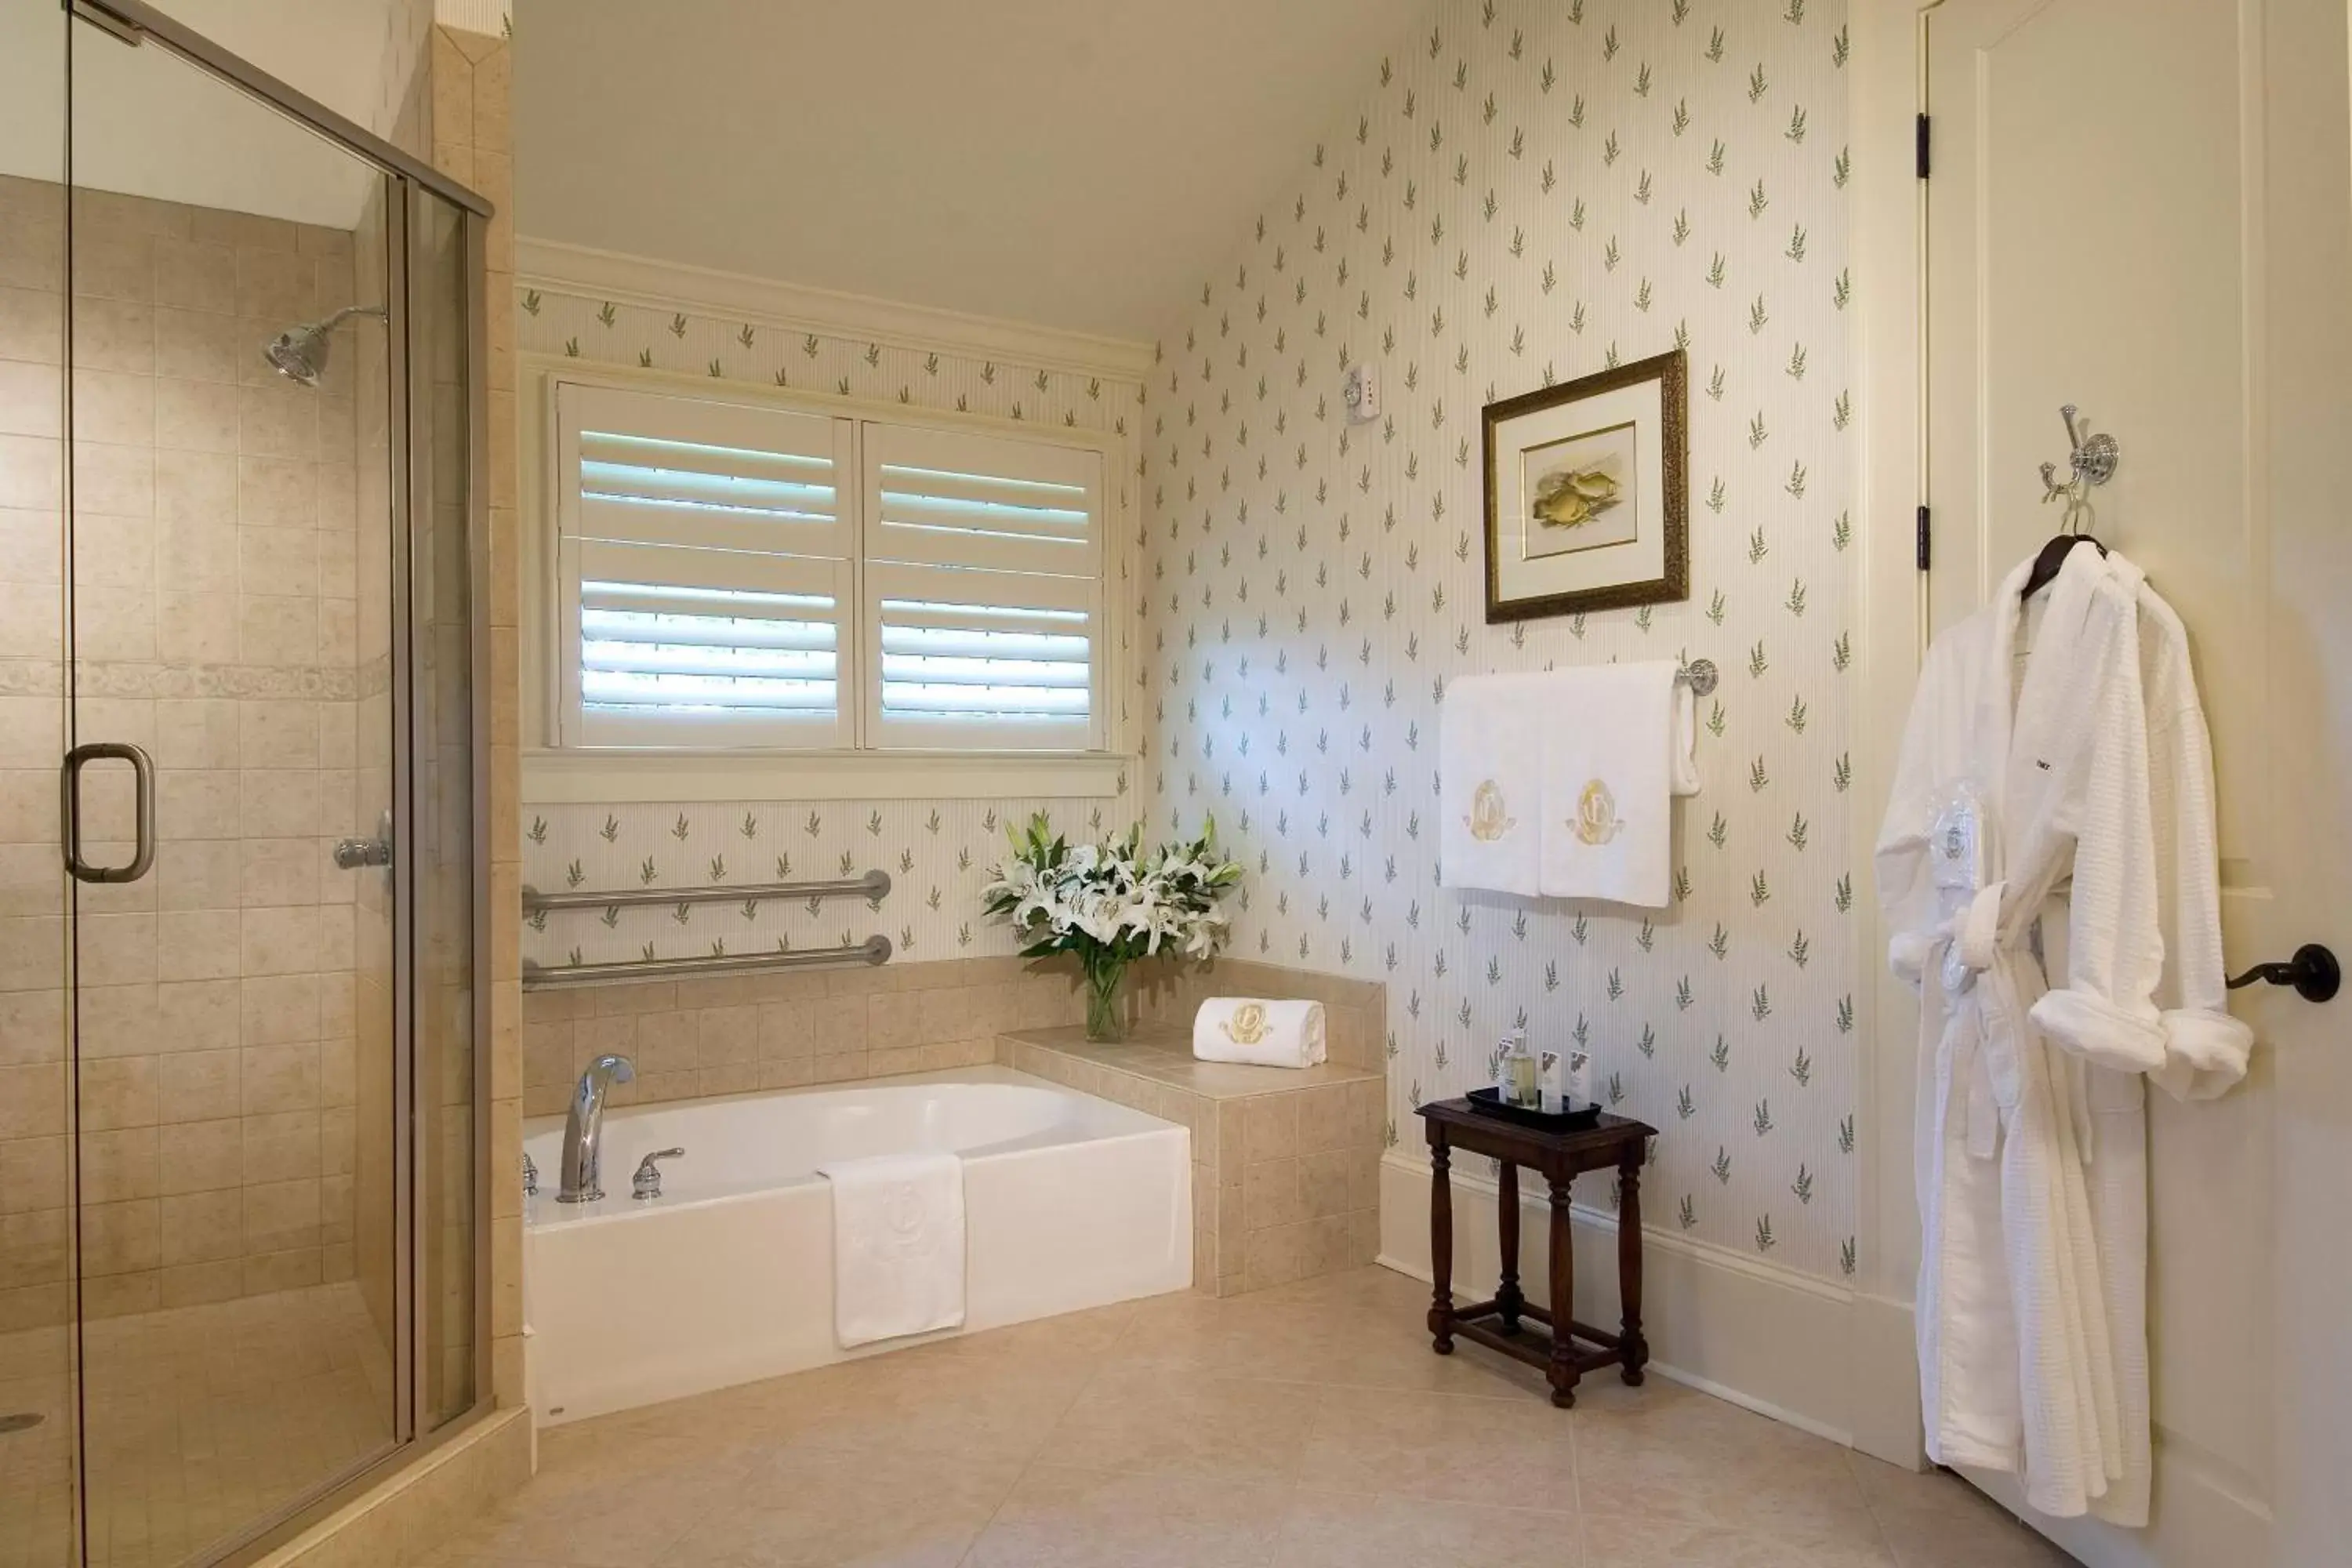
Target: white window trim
[554, 774]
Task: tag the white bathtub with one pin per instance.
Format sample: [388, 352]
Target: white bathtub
[1070, 1202]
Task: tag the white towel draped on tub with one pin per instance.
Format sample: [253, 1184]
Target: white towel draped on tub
[897, 1245]
[1617, 746]
[1258, 1033]
[1490, 778]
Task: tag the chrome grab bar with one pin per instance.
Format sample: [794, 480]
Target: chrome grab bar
[875, 884]
[143, 773]
[875, 949]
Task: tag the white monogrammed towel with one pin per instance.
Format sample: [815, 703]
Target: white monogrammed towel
[1258, 1033]
[1490, 777]
[897, 1245]
[1617, 746]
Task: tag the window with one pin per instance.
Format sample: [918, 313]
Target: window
[742, 576]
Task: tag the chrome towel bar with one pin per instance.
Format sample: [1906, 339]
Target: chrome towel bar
[874, 950]
[875, 884]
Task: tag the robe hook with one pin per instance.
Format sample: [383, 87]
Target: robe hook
[2091, 460]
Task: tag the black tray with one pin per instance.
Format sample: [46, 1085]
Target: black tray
[1489, 1103]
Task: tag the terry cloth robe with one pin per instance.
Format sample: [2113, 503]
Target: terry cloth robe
[2030, 1144]
[2206, 1050]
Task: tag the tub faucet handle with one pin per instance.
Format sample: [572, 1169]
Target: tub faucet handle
[530, 1176]
[646, 1183]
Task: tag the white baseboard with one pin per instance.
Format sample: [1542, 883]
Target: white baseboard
[1769, 1339]
[2198, 1517]
[1883, 1354]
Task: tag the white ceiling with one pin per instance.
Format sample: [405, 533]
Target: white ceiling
[1081, 164]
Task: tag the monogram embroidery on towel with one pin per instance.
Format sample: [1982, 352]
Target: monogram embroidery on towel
[1489, 819]
[1596, 814]
[1247, 1026]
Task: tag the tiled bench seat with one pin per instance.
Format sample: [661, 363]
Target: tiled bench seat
[1286, 1164]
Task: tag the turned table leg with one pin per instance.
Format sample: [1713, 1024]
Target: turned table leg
[1562, 1372]
[1509, 1298]
[1635, 1351]
[1441, 1249]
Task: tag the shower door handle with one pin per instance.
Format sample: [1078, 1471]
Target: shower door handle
[350, 854]
[142, 774]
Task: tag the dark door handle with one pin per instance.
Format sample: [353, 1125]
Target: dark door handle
[143, 771]
[2312, 972]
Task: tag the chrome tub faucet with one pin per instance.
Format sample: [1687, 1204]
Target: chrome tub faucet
[582, 1127]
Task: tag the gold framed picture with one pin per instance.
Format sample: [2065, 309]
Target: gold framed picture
[1586, 495]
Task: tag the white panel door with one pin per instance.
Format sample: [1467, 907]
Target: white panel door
[2104, 228]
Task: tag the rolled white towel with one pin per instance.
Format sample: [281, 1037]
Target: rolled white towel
[1258, 1033]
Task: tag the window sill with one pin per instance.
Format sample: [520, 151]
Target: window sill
[552, 777]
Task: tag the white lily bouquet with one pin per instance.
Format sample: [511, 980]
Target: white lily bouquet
[1110, 904]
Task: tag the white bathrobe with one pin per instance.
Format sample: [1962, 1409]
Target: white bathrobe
[2023, 778]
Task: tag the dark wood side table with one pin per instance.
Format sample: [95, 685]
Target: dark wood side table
[1560, 1157]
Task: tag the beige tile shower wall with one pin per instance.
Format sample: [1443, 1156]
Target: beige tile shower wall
[470, 97]
[214, 602]
[787, 1029]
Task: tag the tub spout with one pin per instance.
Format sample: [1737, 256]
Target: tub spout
[582, 1128]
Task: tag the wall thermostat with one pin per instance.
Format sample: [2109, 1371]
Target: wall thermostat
[1361, 393]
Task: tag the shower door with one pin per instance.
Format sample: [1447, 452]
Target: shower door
[232, 426]
[239, 1158]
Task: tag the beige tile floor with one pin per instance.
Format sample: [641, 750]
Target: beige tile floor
[1307, 1425]
[200, 1420]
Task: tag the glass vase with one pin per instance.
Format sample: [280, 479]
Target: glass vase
[1106, 1014]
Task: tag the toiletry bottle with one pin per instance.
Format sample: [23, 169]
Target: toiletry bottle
[1524, 1085]
[1551, 1075]
[1580, 1079]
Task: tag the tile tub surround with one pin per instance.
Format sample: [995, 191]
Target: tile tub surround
[1306, 1425]
[787, 1029]
[1285, 1164]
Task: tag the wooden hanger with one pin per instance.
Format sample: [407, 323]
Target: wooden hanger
[2047, 564]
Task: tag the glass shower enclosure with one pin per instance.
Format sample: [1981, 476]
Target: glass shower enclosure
[242, 785]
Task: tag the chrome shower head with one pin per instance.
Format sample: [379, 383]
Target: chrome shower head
[300, 354]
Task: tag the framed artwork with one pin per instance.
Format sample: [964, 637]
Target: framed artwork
[1586, 495]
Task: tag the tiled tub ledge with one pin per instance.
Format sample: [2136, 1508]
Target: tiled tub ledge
[1285, 1164]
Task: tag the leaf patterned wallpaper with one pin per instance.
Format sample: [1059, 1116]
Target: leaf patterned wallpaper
[1529, 193]
[937, 852]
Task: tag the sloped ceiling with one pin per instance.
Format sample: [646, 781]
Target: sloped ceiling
[1074, 164]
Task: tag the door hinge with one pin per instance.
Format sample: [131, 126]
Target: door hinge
[1919, 137]
[1924, 537]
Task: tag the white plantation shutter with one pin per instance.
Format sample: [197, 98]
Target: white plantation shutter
[983, 592]
[738, 575]
[705, 556]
